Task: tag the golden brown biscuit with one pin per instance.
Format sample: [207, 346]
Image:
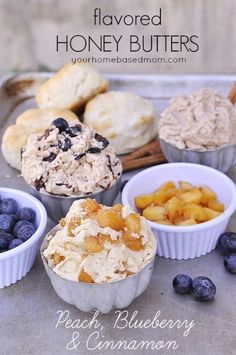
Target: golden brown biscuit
[127, 120]
[71, 87]
[31, 121]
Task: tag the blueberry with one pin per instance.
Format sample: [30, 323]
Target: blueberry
[94, 150]
[25, 231]
[52, 156]
[65, 145]
[18, 225]
[61, 124]
[7, 222]
[230, 263]
[9, 237]
[182, 283]
[15, 243]
[227, 243]
[102, 139]
[73, 131]
[8, 206]
[5, 239]
[3, 244]
[26, 213]
[203, 289]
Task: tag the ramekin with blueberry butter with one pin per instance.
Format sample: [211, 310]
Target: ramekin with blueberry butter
[99, 257]
[70, 161]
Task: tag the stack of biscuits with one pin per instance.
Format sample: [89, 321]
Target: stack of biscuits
[125, 119]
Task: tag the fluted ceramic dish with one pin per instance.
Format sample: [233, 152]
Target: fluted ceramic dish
[17, 262]
[185, 242]
[58, 206]
[221, 159]
[98, 296]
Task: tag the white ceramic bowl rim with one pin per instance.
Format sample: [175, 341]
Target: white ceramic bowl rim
[94, 284]
[42, 224]
[193, 228]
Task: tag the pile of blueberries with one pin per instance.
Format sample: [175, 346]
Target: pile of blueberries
[202, 288]
[227, 245]
[16, 224]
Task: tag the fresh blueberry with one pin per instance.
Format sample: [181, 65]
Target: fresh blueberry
[18, 225]
[15, 243]
[52, 156]
[61, 124]
[227, 243]
[27, 214]
[203, 289]
[65, 145]
[182, 283]
[8, 206]
[230, 263]
[25, 231]
[3, 244]
[9, 237]
[7, 222]
[102, 139]
[73, 131]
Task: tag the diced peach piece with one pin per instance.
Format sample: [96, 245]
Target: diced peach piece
[85, 277]
[106, 238]
[207, 195]
[211, 214]
[174, 208]
[160, 197]
[130, 242]
[216, 205]
[186, 185]
[196, 212]
[62, 222]
[166, 222]
[167, 185]
[109, 218]
[57, 258]
[187, 222]
[93, 244]
[154, 213]
[117, 207]
[91, 206]
[132, 222]
[192, 196]
[72, 224]
[142, 201]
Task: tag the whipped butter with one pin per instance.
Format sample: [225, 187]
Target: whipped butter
[120, 248]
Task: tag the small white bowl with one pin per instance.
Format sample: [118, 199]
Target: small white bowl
[15, 263]
[98, 296]
[188, 242]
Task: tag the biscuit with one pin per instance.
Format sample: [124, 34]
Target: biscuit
[125, 119]
[31, 121]
[71, 87]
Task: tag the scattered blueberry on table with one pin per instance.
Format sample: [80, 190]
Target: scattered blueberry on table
[227, 243]
[230, 263]
[16, 224]
[203, 289]
[182, 283]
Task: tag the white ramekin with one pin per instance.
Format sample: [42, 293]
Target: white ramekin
[98, 296]
[15, 263]
[188, 242]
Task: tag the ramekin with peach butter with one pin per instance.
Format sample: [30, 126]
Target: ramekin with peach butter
[99, 257]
